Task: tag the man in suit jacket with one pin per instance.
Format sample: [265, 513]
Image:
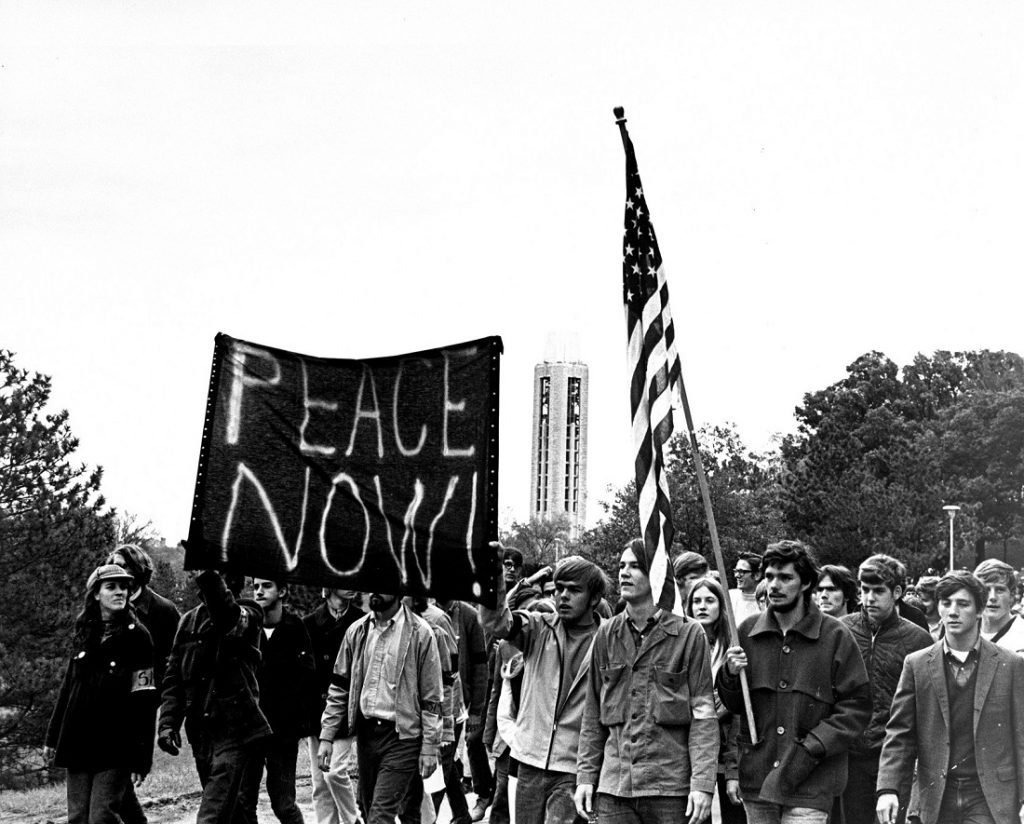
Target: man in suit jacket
[958, 713]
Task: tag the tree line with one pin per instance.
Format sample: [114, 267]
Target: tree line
[872, 460]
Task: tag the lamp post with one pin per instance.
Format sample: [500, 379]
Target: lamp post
[951, 511]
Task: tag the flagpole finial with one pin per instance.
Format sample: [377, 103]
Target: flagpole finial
[620, 114]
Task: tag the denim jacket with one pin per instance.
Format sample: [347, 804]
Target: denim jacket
[649, 723]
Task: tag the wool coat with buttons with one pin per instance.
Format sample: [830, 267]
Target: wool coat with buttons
[808, 688]
[104, 714]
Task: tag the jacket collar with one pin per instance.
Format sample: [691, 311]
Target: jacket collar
[888, 622]
[144, 601]
[809, 626]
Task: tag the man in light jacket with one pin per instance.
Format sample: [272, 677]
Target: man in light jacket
[556, 656]
[387, 691]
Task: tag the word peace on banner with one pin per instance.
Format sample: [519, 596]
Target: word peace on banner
[378, 475]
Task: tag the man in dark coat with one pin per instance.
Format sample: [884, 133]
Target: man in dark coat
[210, 686]
[885, 640]
[809, 690]
[287, 681]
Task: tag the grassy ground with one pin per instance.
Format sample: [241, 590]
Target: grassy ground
[172, 782]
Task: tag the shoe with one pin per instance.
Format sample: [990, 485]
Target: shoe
[479, 810]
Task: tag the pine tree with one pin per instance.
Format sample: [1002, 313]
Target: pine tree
[54, 529]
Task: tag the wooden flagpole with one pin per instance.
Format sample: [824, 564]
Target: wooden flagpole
[702, 481]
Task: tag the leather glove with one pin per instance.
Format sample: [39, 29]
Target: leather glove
[169, 741]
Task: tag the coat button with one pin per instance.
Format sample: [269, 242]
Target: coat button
[775, 763]
[780, 730]
[783, 684]
[786, 649]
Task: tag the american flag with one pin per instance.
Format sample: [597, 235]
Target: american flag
[656, 376]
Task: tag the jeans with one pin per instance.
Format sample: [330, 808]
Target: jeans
[650, 809]
[279, 758]
[95, 797]
[499, 808]
[545, 796]
[963, 802]
[334, 797]
[221, 765]
[479, 765]
[388, 767]
[453, 783]
[761, 812]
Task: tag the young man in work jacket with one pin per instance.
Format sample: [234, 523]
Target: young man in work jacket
[650, 738]
[556, 655]
[387, 691]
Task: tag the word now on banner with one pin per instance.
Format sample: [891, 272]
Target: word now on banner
[378, 475]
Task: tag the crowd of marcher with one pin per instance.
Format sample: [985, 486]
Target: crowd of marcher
[842, 696]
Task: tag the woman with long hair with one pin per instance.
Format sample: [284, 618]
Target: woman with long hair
[103, 725]
[704, 603]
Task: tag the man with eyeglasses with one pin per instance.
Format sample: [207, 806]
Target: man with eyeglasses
[748, 573]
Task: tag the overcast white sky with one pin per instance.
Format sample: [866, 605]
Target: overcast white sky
[358, 179]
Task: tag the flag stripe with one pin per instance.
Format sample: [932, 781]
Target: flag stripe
[654, 387]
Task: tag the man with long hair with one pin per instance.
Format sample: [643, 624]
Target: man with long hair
[101, 729]
[649, 681]
[809, 690]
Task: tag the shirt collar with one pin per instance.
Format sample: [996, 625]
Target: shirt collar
[959, 654]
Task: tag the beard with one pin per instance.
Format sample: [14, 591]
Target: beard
[786, 606]
[381, 602]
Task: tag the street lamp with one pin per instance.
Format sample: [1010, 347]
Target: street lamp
[951, 511]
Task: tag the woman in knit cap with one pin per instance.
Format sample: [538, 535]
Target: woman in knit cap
[103, 725]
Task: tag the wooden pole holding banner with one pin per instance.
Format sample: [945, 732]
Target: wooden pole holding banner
[702, 481]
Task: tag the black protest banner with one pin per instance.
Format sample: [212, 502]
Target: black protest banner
[378, 475]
